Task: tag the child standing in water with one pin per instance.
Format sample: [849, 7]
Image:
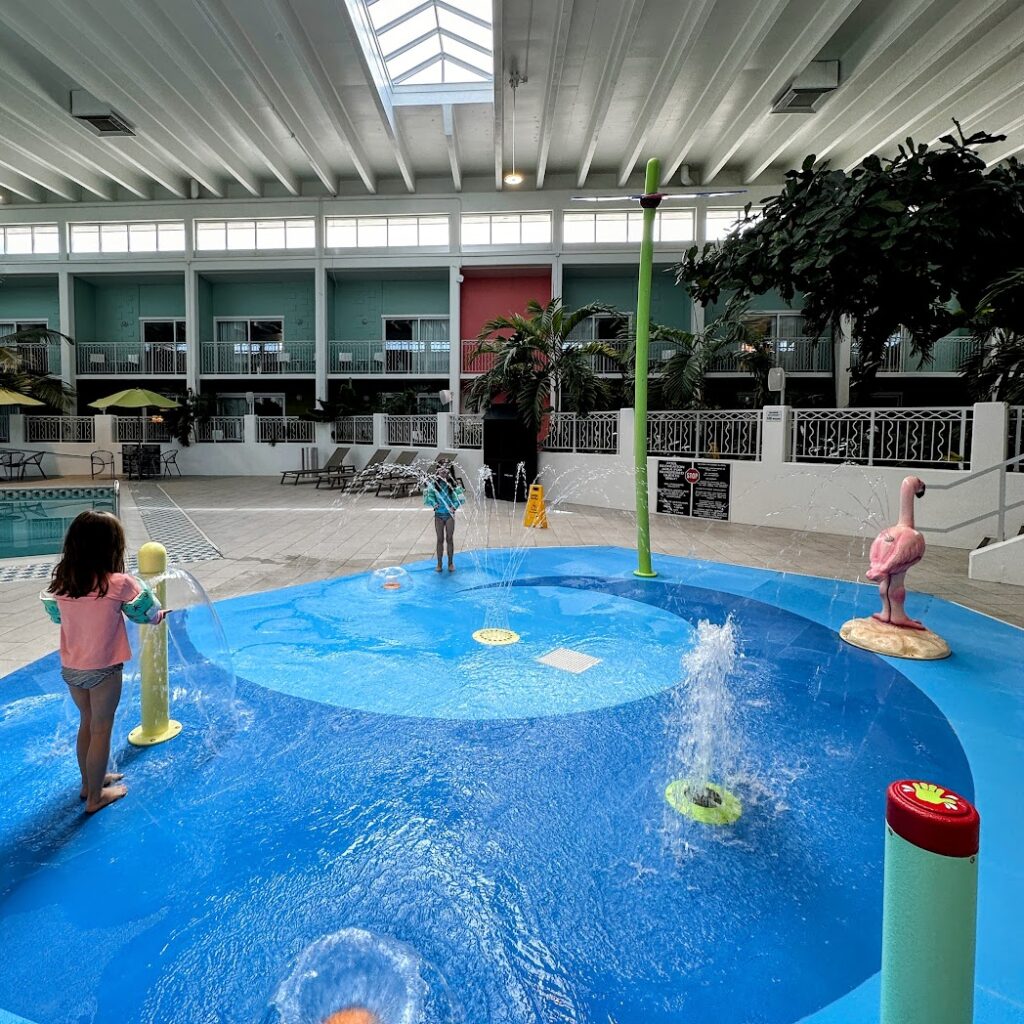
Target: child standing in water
[90, 597]
[444, 496]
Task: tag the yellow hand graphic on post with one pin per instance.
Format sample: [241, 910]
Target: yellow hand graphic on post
[929, 793]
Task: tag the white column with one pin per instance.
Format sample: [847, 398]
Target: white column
[775, 428]
[66, 298]
[249, 429]
[625, 482]
[556, 278]
[455, 336]
[842, 353]
[320, 337]
[444, 431]
[988, 434]
[380, 431]
[104, 427]
[17, 425]
[192, 364]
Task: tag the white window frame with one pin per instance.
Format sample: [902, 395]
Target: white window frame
[632, 220]
[127, 225]
[50, 229]
[385, 317]
[493, 216]
[248, 333]
[198, 223]
[389, 224]
[738, 210]
[143, 320]
[18, 324]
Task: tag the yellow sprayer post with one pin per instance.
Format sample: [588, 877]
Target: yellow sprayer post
[157, 725]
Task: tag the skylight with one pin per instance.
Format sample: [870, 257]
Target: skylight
[434, 42]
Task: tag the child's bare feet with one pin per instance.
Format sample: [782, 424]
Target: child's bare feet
[451, 567]
[107, 780]
[108, 795]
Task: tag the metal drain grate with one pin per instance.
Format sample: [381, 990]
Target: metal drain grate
[568, 661]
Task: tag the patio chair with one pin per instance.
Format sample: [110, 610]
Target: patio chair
[334, 466]
[9, 459]
[366, 477]
[169, 461]
[407, 476]
[28, 459]
[100, 461]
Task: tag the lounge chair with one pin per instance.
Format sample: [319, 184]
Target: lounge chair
[405, 478]
[400, 469]
[334, 466]
[361, 480]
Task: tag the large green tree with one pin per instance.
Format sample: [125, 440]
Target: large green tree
[912, 242]
[536, 362]
[18, 374]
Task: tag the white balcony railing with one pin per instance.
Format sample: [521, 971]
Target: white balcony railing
[222, 429]
[411, 431]
[388, 358]
[287, 429]
[883, 437]
[130, 358]
[68, 429]
[794, 355]
[140, 428]
[947, 355]
[39, 357]
[700, 434]
[467, 431]
[354, 430]
[248, 359]
[567, 432]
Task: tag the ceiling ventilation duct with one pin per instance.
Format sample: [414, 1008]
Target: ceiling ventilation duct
[801, 96]
[100, 116]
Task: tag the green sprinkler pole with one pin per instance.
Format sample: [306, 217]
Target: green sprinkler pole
[649, 202]
[929, 905]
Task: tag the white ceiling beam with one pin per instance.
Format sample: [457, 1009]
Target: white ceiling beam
[498, 128]
[806, 44]
[37, 29]
[942, 89]
[71, 140]
[39, 173]
[625, 28]
[21, 186]
[559, 42]
[452, 142]
[169, 90]
[893, 22]
[684, 40]
[745, 42]
[32, 145]
[995, 101]
[1014, 131]
[216, 95]
[308, 60]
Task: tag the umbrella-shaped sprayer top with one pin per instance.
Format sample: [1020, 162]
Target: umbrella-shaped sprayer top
[135, 398]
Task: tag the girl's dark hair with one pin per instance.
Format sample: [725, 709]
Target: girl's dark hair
[93, 549]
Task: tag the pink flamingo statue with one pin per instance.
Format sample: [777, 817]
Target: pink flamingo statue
[893, 552]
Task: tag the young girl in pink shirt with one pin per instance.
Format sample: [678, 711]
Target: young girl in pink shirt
[89, 596]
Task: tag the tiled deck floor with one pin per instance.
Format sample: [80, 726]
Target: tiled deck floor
[272, 536]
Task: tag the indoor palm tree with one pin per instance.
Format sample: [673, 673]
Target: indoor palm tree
[16, 376]
[537, 363]
[995, 371]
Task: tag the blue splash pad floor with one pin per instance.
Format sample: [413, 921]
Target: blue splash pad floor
[505, 819]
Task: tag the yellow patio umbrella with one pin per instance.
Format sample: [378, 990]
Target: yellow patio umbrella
[8, 397]
[135, 398]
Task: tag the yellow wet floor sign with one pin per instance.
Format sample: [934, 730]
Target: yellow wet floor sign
[536, 514]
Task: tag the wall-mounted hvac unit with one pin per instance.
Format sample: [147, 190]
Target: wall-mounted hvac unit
[801, 96]
[99, 116]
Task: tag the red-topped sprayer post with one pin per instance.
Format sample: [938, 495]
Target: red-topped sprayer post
[649, 202]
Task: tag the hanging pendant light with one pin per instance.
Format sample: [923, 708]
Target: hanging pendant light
[514, 177]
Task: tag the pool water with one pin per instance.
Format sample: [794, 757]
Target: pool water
[500, 819]
[34, 520]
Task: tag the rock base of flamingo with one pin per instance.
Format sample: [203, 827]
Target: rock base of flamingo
[894, 641]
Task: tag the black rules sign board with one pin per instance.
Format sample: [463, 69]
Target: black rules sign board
[696, 489]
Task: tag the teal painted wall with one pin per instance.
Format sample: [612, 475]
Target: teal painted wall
[355, 307]
[35, 302]
[204, 298]
[292, 300]
[769, 301]
[111, 312]
[670, 304]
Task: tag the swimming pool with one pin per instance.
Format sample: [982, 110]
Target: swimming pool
[33, 520]
[503, 819]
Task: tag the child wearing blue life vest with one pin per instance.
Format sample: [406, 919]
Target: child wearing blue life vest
[444, 496]
[89, 596]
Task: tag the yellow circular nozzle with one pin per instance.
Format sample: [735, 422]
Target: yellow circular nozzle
[496, 637]
[152, 559]
[707, 803]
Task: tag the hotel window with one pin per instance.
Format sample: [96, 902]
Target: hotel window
[386, 232]
[604, 227]
[720, 221]
[28, 239]
[122, 237]
[506, 228]
[249, 235]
